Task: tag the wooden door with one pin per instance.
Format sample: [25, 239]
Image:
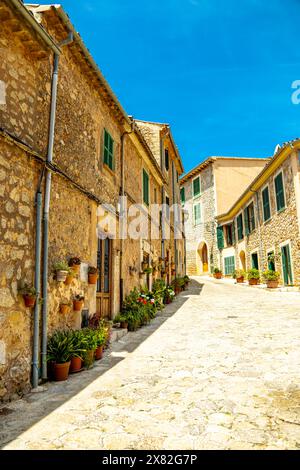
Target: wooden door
[104, 264]
[286, 265]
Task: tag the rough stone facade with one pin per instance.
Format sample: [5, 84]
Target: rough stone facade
[282, 228]
[80, 182]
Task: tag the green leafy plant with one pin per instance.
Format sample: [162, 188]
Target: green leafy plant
[253, 274]
[217, 271]
[270, 275]
[75, 262]
[238, 274]
[62, 266]
[27, 290]
[60, 347]
[186, 279]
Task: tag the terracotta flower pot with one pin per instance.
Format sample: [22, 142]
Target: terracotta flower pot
[218, 275]
[77, 305]
[124, 324]
[177, 290]
[75, 268]
[253, 282]
[93, 278]
[99, 353]
[29, 301]
[240, 280]
[69, 279]
[89, 359]
[64, 309]
[61, 276]
[76, 364]
[272, 284]
[168, 301]
[61, 371]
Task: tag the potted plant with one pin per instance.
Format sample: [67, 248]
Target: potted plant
[147, 271]
[75, 263]
[122, 320]
[90, 341]
[93, 275]
[65, 307]
[29, 295]
[217, 273]
[176, 286]
[62, 270]
[78, 303]
[239, 275]
[70, 277]
[253, 276]
[145, 265]
[59, 353]
[186, 280]
[271, 278]
[101, 338]
[169, 295]
[78, 351]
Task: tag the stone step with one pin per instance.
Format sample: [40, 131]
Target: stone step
[117, 334]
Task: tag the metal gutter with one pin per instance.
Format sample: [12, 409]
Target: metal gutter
[29, 18]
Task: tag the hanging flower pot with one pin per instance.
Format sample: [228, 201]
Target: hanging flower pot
[64, 309]
[61, 371]
[78, 303]
[61, 276]
[76, 365]
[62, 270]
[29, 294]
[93, 275]
[69, 279]
[75, 263]
[29, 300]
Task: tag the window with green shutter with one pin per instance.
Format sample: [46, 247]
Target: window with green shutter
[229, 264]
[266, 204]
[197, 214]
[196, 187]
[249, 219]
[280, 200]
[145, 187]
[240, 228]
[182, 195]
[108, 153]
[220, 237]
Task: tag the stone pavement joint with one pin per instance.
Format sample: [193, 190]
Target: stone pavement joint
[217, 369]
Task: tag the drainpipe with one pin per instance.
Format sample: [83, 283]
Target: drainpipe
[36, 318]
[259, 230]
[47, 204]
[122, 210]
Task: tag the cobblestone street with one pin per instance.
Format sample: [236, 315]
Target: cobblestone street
[218, 369]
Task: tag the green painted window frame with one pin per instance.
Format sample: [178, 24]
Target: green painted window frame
[271, 264]
[229, 265]
[220, 237]
[197, 187]
[254, 265]
[146, 188]
[279, 192]
[266, 204]
[240, 227]
[182, 196]
[197, 213]
[108, 150]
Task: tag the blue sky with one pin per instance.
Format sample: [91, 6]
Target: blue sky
[219, 71]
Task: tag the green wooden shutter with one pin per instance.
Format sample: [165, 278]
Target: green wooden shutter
[233, 234]
[229, 264]
[240, 227]
[266, 204]
[106, 148]
[279, 192]
[182, 195]
[246, 221]
[197, 214]
[220, 237]
[145, 187]
[196, 187]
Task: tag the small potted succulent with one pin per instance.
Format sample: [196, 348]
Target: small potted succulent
[59, 353]
[217, 273]
[271, 278]
[93, 275]
[65, 307]
[75, 263]
[253, 276]
[29, 295]
[78, 302]
[62, 270]
[239, 275]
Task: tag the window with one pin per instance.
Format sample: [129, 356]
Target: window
[280, 200]
[220, 237]
[229, 235]
[145, 187]
[271, 261]
[197, 214]
[249, 218]
[229, 263]
[168, 207]
[240, 227]
[167, 160]
[182, 195]
[155, 196]
[254, 260]
[108, 156]
[196, 187]
[266, 204]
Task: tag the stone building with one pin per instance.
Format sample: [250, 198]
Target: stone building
[207, 190]
[261, 228]
[99, 159]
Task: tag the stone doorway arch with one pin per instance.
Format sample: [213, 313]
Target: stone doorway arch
[203, 258]
[243, 260]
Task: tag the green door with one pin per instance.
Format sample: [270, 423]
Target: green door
[286, 265]
[254, 260]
